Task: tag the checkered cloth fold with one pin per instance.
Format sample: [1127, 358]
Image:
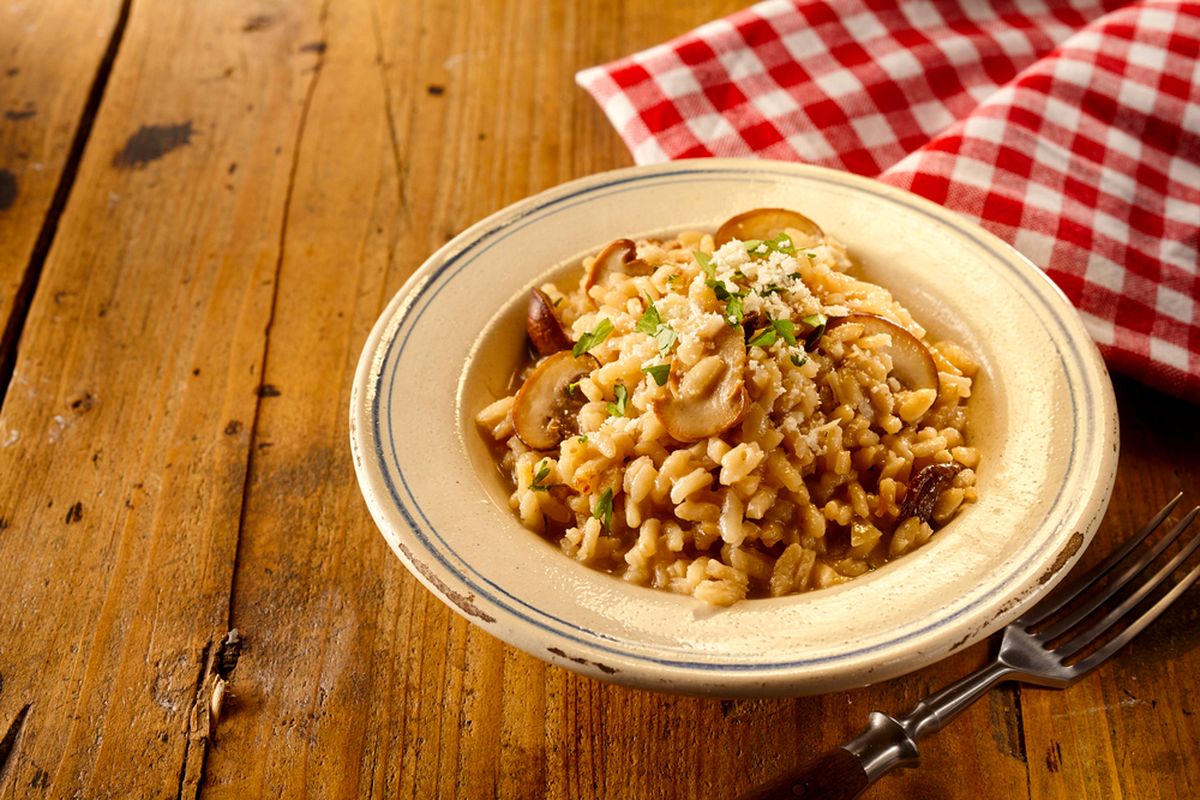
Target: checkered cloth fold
[1072, 131]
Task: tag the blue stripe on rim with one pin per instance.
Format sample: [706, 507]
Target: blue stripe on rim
[459, 261]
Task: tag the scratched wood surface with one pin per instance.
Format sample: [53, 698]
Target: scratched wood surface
[229, 194]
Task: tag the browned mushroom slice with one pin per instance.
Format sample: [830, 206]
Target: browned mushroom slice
[924, 489]
[545, 331]
[912, 364]
[545, 410]
[619, 257]
[710, 397]
[767, 223]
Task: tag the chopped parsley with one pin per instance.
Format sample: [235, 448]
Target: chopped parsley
[603, 510]
[617, 408]
[650, 319]
[764, 338]
[734, 312]
[651, 324]
[798, 361]
[582, 439]
[817, 323]
[770, 289]
[665, 338]
[593, 338]
[811, 256]
[785, 329]
[543, 472]
[660, 373]
[572, 388]
[794, 276]
[777, 329]
[761, 248]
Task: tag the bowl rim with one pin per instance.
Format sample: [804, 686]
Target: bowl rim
[603, 657]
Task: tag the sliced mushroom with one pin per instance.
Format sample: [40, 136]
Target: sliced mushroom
[545, 331]
[767, 223]
[912, 364]
[546, 408]
[619, 257]
[924, 489]
[710, 397]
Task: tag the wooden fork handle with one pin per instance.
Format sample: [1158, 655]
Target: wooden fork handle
[835, 775]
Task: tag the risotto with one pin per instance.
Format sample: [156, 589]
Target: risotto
[734, 415]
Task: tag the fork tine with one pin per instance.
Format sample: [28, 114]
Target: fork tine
[1064, 595]
[1060, 626]
[1094, 631]
[1137, 626]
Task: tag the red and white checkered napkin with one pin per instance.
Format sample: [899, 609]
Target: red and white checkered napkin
[1070, 130]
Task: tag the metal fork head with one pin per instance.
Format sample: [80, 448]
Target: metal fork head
[1040, 646]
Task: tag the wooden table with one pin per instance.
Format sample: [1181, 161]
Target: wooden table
[203, 208]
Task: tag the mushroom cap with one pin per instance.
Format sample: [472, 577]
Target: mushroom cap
[545, 410]
[767, 223]
[619, 256]
[924, 488]
[697, 409]
[541, 323]
[912, 364]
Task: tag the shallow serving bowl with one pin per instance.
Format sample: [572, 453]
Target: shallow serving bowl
[1043, 416]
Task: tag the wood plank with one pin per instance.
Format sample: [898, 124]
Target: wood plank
[1132, 728]
[406, 699]
[52, 62]
[127, 424]
[152, 498]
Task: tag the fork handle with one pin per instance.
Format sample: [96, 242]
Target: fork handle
[845, 772]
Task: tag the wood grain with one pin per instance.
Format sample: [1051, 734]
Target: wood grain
[52, 69]
[129, 412]
[258, 182]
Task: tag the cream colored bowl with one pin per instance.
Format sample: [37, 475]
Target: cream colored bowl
[1043, 416]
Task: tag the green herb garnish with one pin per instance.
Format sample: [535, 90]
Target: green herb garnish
[798, 361]
[572, 388]
[759, 249]
[785, 329]
[617, 409]
[582, 439]
[651, 323]
[764, 338]
[794, 276]
[817, 323]
[603, 510]
[660, 373]
[665, 338]
[705, 262]
[595, 337]
[734, 313]
[718, 288]
[783, 244]
[650, 319]
[770, 289]
[542, 473]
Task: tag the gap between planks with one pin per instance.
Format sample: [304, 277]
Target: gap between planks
[10, 338]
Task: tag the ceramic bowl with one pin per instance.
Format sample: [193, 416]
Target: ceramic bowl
[1043, 416]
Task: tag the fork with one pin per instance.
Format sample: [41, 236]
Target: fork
[1037, 648]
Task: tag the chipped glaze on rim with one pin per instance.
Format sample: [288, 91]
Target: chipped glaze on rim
[1050, 437]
